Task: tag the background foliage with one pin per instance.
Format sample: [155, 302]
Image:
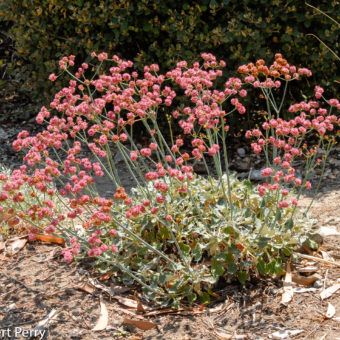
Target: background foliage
[167, 31]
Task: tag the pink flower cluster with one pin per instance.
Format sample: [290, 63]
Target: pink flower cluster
[288, 141]
[93, 115]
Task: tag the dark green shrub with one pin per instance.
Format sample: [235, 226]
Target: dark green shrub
[166, 31]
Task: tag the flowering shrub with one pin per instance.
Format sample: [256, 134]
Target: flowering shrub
[176, 234]
[164, 30]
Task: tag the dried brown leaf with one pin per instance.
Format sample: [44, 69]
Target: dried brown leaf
[303, 280]
[50, 239]
[163, 311]
[140, 307]
[86, 287]
[105, 276]
[141, 324]
[179, 311]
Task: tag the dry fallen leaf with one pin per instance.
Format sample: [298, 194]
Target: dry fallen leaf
[100, 286]
[44, 323]
[180, 311]
[330, 311]
[87, 288]
[141, 324]
[103, 317]
[41, 258]
[16, 245]
[51, 239]
[287, 333]
[122, 300]
[2, 246]
[116, 289]
[328, 231]
[127, 302]
[318, 259]
[308, 269]
[326, 256]
[325, 294]
[163, 311]
[304, 280]
[304, 290]
[221, 307]
[135, 337]
[140, 307]
[222, 335]
[287, 287]
[105, 276]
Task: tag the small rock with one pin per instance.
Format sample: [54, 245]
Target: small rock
[318, 284]
[3, 134]
[242, 164]
[334, 161]
[200, 168]
[321, 151]
[241, 152]
[118, 157]
[255, 175]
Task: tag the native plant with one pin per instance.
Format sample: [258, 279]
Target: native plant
[175, 233]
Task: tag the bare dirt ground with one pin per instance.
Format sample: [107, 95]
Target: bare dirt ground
[35, 284]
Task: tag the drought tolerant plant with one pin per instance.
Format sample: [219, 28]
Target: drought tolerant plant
[176, 234]
[13, 216]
